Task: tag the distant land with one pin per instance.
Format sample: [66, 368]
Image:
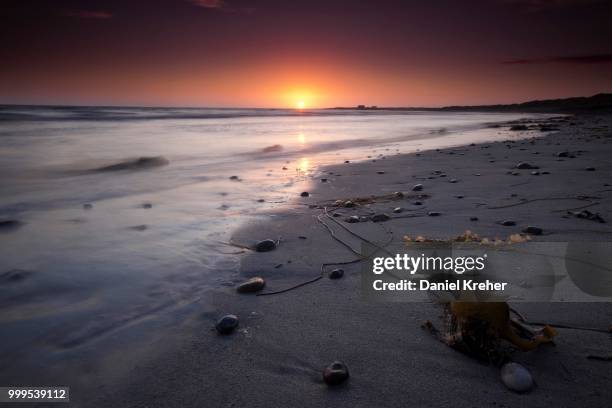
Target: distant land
[597, 103]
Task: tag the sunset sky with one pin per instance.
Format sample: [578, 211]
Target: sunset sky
[224, 53]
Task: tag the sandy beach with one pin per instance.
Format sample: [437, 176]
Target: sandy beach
[283, 342]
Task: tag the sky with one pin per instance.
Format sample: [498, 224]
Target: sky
[236, 53]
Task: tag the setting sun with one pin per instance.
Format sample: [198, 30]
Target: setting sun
[300, 104]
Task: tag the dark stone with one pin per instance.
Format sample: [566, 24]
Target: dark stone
[139, 228]
[323, 180]
[265, 245]
[533, 230]
[508, 223]
[459, 196]
[518, 127]
[417, 187]
[349, 204]
[417, 203]
[147, 205]
[473, 218]
[347, 161]
[434, 214]
[235, 178]
[526, 166]
[254, 284]
[138, 164]
[380, 172]
[227, 324]
[9, 225]
[563, 154]
[87, 206]
[380, 217]
[453, 180]
[336, 273]
[335, 373]
[535, 173]
[398, 210]
[398, 194]
[305, 194]
[590, 169]
[302, 237]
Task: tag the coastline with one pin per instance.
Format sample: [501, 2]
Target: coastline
[283, 341]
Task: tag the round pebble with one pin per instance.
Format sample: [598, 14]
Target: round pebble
[227, 324]
[417, 187]
[533, 230]
[335, 373]
[336, 273]
[508, 223]
[516, 377]
[265, 245]
[380, 217]
[305, 194]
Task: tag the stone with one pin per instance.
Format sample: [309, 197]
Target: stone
[254, 284]
[434, 214]
[516, 377]
[265, 245]
[417, 203]
[323, 180]
[349, 204]
[87, 206]
[518, 127]
[473, 218]
[10, 224]
[398, 210]
[417, 187]
[380, 172]
[382, 217]
[398, 194]
[590, 169]
[533, 230]
[535, 173]
[305, 194]
[563, 154]
[352, 219]
[147, 205]
[335, 373]
[453, 180]
[234, 178]
[526, 166]
[336, 273]
[508, 223]
[227, 324]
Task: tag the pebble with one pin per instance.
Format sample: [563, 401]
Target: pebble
[398, 194]
[473, 218]
[265, 245]
[227, 324]
[398, 210]
[254, 284]
[535, 173]
[382, 217]
[235, 178]
[516, 377]
[526, 166]
[563, 154]
[533, 230]
[336, 273]
[380, 172]
[417, 187]
[590, 169]
[335, 373]
[459, 196]
[508, 223]
[453, 180]
[87, 206]
[352, 219]
[323, 180]
[147, 205]
[417, 203]
[349, 204]
[10, 224]
[433, 213]
[305, 194]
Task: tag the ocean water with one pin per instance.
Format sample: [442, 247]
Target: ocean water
[100, 248]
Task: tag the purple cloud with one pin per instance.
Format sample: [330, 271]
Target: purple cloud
[210, 4]
[93, 14]
[571, 59]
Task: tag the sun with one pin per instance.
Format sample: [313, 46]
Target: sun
[300, 104]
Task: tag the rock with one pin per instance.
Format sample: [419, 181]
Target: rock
[398, 194]
[254, 284]
[590, 169]
[227, 324]
[139, 228]
[265, 245]
[305, 194]
[347, 161]
[234, 178]
[261, 200]
[434, 214]
[417, 187]
[508, 223]
[518, 127]
[335, 373]
[533, 230]
[323, 180]
[380, 172]
[417, 203]
[7, 225]
[349, 204]
[526, 166]
[14, 275]
[398, 210]
[138, 164]
[516, 377]
[336, 273]
[302, 237]
[87, 206]
[563, 154]
[535, 173]
[453, 180]
[352, 219]
[380, 217]
[473, 218]
[147, 205]
[459, 196]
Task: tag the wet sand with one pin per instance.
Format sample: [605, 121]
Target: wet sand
[283, 342]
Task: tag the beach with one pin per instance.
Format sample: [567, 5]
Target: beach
[276, 356]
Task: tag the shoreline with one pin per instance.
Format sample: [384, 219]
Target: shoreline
[283, 341]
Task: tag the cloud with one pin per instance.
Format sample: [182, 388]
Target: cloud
[94, 14]
[209, 4]
[570, 59]
[541, 5]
